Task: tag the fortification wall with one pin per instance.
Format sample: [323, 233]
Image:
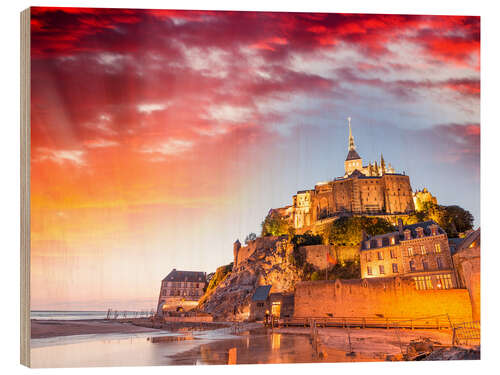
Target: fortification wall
[389, 298]
[316, 254]
[191, 319]
[468, 265]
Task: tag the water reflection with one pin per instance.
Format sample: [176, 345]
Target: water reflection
[275, 340]
[259, 346]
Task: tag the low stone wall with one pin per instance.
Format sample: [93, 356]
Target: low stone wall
[316, 254]
[388, 298]
[188, 319]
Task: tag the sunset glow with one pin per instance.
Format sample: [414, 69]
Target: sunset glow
[159, 137]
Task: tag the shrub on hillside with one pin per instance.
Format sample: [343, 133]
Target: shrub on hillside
[347, 231]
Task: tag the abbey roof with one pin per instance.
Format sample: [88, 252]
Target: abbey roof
[352, 155]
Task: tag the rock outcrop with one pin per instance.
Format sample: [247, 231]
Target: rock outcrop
[264, 261]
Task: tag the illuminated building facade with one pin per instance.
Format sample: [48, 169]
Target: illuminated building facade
[418, 251]
[181, 290]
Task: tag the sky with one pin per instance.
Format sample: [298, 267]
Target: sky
[160, 137]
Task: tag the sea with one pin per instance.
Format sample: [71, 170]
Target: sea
[83, 315]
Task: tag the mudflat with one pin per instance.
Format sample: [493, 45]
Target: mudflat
[53, 328]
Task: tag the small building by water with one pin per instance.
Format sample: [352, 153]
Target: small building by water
[277, 305]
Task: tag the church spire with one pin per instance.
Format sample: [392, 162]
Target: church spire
[351, 138]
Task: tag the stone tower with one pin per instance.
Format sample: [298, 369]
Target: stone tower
[353, 161]
[236, 249]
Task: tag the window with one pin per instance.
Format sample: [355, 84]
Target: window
[369, 270]
[428, 282]
[380, 255]
[412, 265]
[381, 269]
[394, 268]
[422, 249]
[439, 263]
[423, 282]
[444, 281]
[368, 257]
[164, 292]
[438, 248]
[393, 254]
[410, 251]
[393, 240]
[419, 282]
[425, 265]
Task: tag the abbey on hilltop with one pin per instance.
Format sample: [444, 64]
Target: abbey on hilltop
[373, 189]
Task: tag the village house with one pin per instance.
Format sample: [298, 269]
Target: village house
[419, 251]
[181, 290]
[276, 305]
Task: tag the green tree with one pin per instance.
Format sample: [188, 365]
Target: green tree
[308, 238]
[274, 225]
[453, 219]
[347, 231]
[315, 276]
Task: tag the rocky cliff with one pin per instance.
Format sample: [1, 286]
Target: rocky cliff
[266, 261]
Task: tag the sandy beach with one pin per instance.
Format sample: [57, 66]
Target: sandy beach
[54, 328]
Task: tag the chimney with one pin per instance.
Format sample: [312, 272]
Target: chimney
[407, 234]
[400, 226]
[434, 229]
[379, 242]
[367, 244]
[420, 232]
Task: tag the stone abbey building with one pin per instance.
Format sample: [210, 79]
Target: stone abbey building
[373, 189]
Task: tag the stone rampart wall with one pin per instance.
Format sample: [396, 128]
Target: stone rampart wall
[389, 298]
[190, 319]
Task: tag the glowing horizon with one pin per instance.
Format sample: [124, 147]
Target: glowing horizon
[159, 137]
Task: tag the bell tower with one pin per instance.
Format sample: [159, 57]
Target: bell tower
[353, 161]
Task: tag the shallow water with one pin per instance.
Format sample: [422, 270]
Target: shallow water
[250, 347]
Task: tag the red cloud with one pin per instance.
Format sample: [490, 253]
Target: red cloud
[456, 41]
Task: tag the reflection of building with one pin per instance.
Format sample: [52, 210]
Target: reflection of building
[181, 290]
[418, 251]
[421, 197]
[363, 189]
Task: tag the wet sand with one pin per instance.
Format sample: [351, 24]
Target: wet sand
[371, 342]
[222, 346]
[263, 346]
[54, 328]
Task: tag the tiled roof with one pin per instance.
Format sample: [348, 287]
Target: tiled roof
[400, 237]
[423, 224]
[469, 239]
[190, 276]
[261, 293]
